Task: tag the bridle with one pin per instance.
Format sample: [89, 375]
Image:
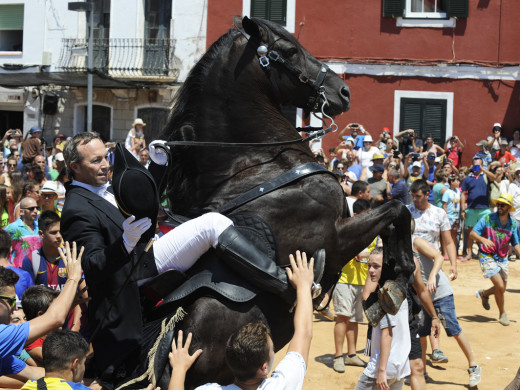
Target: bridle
[266, 55]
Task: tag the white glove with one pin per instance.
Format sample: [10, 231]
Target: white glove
[158, 155]
[133, 230]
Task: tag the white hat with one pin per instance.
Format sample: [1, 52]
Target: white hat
[497, 125]
[59, 157]
[416, 164]
[349, 139]
[138, 121]
[352, 176]
[368, 138]
[50, 186]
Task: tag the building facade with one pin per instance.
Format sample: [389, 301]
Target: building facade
[142, 51]
[440, 67]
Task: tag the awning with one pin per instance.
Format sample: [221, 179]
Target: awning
[74, 79]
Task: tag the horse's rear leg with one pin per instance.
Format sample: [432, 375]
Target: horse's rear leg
[515, 384]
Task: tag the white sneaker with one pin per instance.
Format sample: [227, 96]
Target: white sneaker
[474, 375]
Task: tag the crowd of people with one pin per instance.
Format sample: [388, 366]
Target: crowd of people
[45, 234]
[453, 207]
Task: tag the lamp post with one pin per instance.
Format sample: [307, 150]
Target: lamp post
[87, 6]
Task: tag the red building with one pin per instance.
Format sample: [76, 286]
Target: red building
[441, 67]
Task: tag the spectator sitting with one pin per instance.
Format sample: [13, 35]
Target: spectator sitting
[514, 144]
[454, 148]
[249, 351]
[503, 155]
[35, 302]
[483, 153]
[494, 140]
[64, 355]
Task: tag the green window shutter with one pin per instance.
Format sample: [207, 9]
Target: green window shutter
[425, 116]
[273, 10]
[11, 17]
[457, 8]
[393, 8]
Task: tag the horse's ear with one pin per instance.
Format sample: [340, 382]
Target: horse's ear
[253, 29]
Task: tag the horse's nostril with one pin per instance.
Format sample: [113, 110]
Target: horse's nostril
[344, 91]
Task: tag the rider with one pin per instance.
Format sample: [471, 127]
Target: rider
[113, 244]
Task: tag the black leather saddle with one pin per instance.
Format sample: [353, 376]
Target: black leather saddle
[209, 275]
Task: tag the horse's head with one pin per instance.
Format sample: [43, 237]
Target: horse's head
[296, 77]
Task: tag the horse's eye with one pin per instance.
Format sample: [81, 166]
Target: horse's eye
[291, 52]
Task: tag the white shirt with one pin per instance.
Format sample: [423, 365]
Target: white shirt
[100, 191]
[288, 375]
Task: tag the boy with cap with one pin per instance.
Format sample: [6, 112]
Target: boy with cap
[32, 147]
[483, 153]
[494, 233]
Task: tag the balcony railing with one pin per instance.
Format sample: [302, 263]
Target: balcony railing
[125, 58]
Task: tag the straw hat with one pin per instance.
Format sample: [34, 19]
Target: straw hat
[138, 121]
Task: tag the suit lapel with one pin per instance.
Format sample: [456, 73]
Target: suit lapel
[102, 205]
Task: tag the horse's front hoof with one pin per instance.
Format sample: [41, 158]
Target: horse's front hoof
[391, 296]
[374, 312]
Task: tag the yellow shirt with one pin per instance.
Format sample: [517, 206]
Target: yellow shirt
[356, 270]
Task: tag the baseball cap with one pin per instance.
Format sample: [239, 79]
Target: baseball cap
[35, 129]
[377, 168]
[497, 124]
[416, 164]
[59, 157]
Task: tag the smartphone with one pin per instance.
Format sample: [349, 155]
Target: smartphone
[396, 153]
[415, 155]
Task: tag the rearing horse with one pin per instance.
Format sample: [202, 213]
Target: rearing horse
[234, 95]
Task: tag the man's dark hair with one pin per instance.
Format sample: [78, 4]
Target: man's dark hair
[28, 187]
[360, 205]
[332, 150]
[5, 244]
[8, 278]
[37, 299]
[247, 349]
[47, 218]
[359, 186]
[61, 347]
[71, 154]
[420, 185]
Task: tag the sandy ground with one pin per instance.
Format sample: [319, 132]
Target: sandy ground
[495, 346]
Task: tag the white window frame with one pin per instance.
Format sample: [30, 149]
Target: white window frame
[448, 96]
[291, 13]
[15, 53]
[424, 19]
[79, 116]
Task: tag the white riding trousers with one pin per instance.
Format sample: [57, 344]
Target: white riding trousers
[181, 247]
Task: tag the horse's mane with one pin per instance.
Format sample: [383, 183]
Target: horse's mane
[182, 123]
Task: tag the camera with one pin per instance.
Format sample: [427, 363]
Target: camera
[355, 125]
[396, 153]
[415, 155]
[453, 138]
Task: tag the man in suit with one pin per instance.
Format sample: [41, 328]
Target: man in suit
[113, 244]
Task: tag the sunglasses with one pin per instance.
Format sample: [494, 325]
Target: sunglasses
[498, 205]
[10, 300]
[31, 208]
[341, 168]
[496, 130]
[11, 165]
[48, 195]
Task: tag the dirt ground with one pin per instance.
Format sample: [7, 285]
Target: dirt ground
[495, 346]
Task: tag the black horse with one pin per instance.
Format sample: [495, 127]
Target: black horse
[234, 94]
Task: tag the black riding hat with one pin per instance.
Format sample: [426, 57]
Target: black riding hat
[134, 187]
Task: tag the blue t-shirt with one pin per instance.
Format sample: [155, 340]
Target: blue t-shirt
[24, 282]
[400, 191]
[452, 200]
[358, 141]
[51, 275]
[431, 178]
[477, 191]
[12, 341]
[356, 168]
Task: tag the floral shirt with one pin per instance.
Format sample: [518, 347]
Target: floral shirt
[24, 241]
[429, 223]
[491, 228]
